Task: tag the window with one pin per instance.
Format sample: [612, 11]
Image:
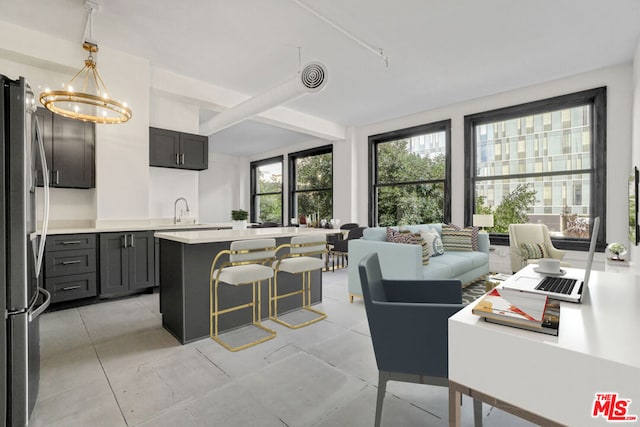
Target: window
[311, 184]
[541, 162]
[266, 190]
[410, 175]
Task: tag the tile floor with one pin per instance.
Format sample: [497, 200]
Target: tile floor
[112, 364]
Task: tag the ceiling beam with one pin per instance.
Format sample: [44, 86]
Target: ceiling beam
[219, 99]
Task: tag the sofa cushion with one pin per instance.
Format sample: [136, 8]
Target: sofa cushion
[410, 238]
[457, 263]
[433, 241]
[378, 234]
[436, 271]
[459, 239]
[533, 251]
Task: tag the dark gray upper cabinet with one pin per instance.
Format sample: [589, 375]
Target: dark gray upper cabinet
[126, 262]
[70, 150]
[171, 149]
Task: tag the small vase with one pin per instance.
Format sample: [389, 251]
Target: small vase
[239, 224]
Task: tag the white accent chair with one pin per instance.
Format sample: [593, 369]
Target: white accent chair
[530, 233]
[301, 259]
[249, 263]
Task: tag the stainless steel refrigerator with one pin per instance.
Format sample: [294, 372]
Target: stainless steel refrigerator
[21, 251]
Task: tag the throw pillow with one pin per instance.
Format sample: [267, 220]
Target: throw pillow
[533, 250]
[459, 239]
[433, 242]
[410, 238]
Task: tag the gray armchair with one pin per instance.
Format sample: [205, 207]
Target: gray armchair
[408, 321]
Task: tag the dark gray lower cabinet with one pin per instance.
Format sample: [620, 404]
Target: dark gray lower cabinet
[126, 262]
[70, 266]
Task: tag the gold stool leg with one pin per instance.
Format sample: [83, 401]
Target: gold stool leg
[306, 302]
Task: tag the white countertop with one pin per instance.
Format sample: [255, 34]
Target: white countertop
[134, 227]
[212, 236]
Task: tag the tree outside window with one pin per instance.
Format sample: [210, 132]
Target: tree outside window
[312, 193]
[266, 188]
[411, 175]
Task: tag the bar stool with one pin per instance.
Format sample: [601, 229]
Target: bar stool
[299, 260]
[249, 263]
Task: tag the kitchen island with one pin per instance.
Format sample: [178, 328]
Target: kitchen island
[185, 264]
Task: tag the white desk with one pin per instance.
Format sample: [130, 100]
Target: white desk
[549, 379]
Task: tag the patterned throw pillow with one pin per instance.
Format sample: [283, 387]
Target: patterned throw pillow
[459, 239]
[533, 250]
[433, 242]
[410, 238]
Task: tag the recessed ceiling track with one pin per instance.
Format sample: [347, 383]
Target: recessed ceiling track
[375, 50]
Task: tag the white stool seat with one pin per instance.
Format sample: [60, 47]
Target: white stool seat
[249, 264]
[299, 264]
[241, 274]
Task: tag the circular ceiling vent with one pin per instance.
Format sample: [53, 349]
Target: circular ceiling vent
[314, 76]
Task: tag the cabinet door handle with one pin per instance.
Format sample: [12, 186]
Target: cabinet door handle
[71, 242]
[71, 288]
[132, 244]
[75, 261]
[124, 245]
[177, 158]
[57, 177]
[182, 159]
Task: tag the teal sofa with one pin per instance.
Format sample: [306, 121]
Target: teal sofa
[403, 261]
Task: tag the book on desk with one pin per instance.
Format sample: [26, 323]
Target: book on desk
[520, 309]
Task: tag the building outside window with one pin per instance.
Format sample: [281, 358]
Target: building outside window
[266, 190]
[410, 175]
[542, 162]
[311, 184]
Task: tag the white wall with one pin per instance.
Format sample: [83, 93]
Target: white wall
[165, 184]
[618, 80]
[223, 187]
[122, 151]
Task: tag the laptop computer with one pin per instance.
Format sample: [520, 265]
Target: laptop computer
[569, 286]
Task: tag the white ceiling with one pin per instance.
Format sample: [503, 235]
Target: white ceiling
[440, 51]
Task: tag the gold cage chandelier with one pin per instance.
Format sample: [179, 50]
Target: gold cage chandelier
[92, 103]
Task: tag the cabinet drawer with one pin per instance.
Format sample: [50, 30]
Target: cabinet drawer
[60, 263]
[66, 288]
[66, 242]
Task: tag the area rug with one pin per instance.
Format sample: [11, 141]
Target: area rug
[473, 292]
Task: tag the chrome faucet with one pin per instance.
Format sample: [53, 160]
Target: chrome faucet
[177, 219]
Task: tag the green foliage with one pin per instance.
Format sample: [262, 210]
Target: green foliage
[314, 173]
[513, 208]
[239, 215]
[270, 205]
[408, 202]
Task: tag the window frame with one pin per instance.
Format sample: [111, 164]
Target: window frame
[597, 98]
[374, 140]
[316, 151]
[253, 179]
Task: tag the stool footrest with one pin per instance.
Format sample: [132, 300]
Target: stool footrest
[271, 334]
[321, 316]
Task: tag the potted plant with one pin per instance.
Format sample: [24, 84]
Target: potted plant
[239, 219]
[618, 250]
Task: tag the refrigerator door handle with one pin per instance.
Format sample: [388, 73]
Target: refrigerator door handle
[33, 314]
[39, 255]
